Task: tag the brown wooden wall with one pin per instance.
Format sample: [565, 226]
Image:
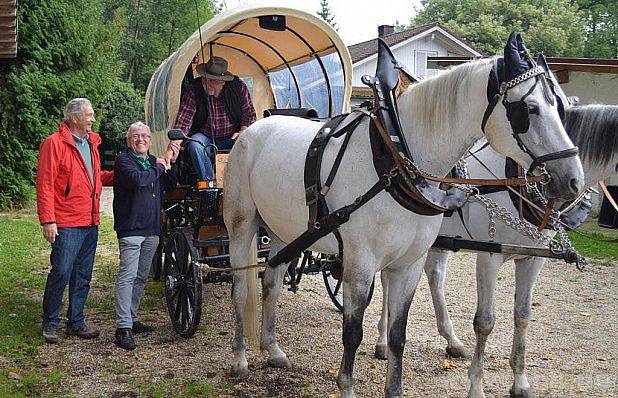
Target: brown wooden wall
[8, 29]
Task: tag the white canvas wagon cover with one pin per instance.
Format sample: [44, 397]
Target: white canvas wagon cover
[287, 58]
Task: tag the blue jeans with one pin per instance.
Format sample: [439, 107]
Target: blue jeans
[201, 158]
[72, 259]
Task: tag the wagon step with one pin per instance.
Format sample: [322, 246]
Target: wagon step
[455, 243]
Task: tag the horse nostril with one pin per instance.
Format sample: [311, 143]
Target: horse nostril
[574, 185]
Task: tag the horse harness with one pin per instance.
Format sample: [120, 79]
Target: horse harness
[410, 187]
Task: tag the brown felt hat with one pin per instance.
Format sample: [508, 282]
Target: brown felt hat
[215, 68]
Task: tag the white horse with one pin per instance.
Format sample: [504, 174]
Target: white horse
[441, 119]
[594, 129]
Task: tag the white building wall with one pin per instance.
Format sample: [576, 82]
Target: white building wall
[593, 88]
[412, 55]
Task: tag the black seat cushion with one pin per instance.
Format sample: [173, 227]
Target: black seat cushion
[307, 113]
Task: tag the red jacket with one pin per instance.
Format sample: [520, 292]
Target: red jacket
[64, 192]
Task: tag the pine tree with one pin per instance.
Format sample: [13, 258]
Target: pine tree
[326, 14]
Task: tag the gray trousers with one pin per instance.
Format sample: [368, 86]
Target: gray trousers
[136, 253]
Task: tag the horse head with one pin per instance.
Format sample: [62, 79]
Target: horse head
[528, 128]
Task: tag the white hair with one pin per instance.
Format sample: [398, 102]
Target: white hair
[75, 107]
[137, 126]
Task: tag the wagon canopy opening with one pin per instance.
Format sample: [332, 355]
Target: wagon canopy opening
[287, 58]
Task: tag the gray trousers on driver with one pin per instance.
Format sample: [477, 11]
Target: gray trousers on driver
[136, 253]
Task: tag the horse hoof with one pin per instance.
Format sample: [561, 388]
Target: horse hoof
[520, 394]
[240, 371]
[457, 352]
[381, 351]
[279, 362]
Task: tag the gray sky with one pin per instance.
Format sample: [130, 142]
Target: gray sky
[357, 20]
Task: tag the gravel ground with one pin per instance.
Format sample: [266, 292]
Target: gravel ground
[571, 343]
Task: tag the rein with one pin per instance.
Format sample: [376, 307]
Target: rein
[403, 165]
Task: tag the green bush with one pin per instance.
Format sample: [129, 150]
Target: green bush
[122, 106]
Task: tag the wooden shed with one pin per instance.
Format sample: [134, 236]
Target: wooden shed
[8, 29]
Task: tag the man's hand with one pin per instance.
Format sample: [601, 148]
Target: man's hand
[50, 232]
[173, 149]
[239, 132]
[165, 163]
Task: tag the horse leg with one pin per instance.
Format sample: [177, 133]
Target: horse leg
[356, 286]
[487, 266]
[435, 269]
[402, 285]
[381, 349]
[526, 273]
[240, 244]
[241, 220]
[272, 283]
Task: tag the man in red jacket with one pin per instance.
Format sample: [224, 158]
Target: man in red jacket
[68, 186]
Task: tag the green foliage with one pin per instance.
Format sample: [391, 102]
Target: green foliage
[553, 26]
[601, 18]
[64, 52]
[104, 50]
[326, 14]
[120, 107]
[151, 31]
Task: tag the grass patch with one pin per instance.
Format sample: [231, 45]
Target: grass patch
[595, 245]
[24, 260]
[173, 388]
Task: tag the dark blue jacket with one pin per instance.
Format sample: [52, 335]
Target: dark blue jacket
[138, 195]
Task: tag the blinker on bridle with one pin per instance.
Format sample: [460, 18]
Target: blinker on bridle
[518, 114]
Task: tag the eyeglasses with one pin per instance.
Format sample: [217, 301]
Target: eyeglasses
[140, 137]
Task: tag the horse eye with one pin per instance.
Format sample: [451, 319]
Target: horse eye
[533, 109]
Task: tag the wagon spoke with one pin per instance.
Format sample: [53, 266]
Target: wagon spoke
[178, 306]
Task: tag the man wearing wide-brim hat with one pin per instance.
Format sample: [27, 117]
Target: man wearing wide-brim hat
[215, 109]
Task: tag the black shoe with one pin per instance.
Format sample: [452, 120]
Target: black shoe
[50, 332]
[139, 327]
[124, 339]
[82, 331]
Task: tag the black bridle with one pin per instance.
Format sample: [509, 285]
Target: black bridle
[518, 112]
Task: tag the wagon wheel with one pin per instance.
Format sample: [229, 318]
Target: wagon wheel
[183, 284]
[334, 288]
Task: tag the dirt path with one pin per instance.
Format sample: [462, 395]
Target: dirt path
[571, 343]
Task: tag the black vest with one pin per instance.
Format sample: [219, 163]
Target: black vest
[231, 98]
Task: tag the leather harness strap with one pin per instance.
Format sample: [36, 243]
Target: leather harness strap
[608, 195]
[327, 224]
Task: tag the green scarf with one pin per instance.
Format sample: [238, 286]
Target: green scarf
[145, 163]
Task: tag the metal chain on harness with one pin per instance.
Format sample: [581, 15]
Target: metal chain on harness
[564, 239]
[496, 211]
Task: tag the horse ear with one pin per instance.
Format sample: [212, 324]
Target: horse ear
[542, 61]
[514, 64]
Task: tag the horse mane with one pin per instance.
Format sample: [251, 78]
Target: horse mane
[593, 128]
[434, 99]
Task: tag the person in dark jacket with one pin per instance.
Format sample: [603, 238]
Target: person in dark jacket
[139, 182]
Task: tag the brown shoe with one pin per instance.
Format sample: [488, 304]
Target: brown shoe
[82, 331]
[50, 333]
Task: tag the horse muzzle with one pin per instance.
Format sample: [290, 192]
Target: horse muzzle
[567, 178]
